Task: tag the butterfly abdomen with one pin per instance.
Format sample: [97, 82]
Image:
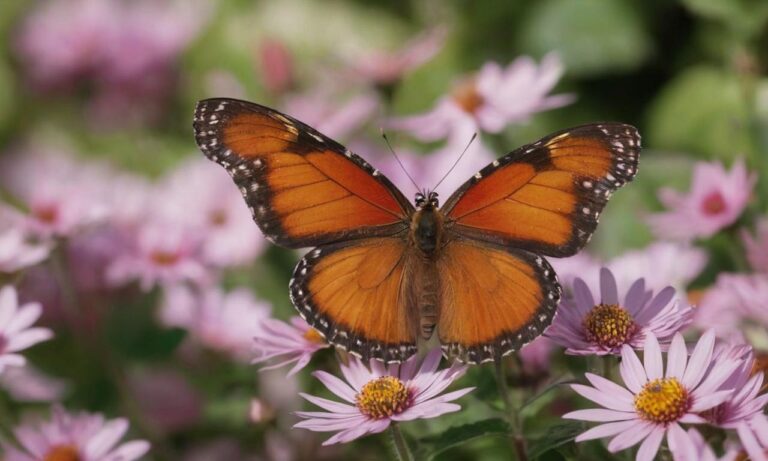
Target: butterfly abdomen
[426, 235]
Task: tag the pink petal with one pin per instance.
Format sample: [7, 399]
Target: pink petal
[630, 438]
[650, 445]
[699, 362]
[654, 367]
[677, 357]
[708, 401]
[109, 434]
[330, 405]
[606, 400]
[24, 318]
[431, 361]
[608, 292]
[609, 387]
[750, 443]
[336, 385]
[631, 370]
[129, 451]
[607, 430]
[582, 295]
[600, 415]
[28, 338]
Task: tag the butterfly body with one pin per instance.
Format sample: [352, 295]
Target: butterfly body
[385, 273]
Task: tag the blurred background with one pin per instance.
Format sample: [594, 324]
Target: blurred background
[96, 103]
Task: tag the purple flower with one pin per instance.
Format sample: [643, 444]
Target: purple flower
[16, 331]
[756, 247]
[386, 68]
[586, 327]
[293, 342]
[691, 446]
[81, 436]
[28, 384]
[221, 321]
[220, 216]
[17, 252]
[491, 99]
[735, 302]
[376, 397]
[276, 66]
[716, 199]
[654, 403]
[321, 109]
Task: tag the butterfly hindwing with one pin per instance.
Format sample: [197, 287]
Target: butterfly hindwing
[547, 197]
[354, 294]
[303, 188]
[494, 299]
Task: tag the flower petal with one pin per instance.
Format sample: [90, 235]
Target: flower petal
[630, 438]
[609, 294]
[330, 405]
[631, 370]
[607, 430]
[677, 357]
[654, 367]
[601, 398]
[650, 445]
[336, 385]
[699, 362]
[600, 415]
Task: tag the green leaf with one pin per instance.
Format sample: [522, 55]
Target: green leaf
[593, 37]
[554, 437]
[702, 111]
[745, 18]
[458, 435]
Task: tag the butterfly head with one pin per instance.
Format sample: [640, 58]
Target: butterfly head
[426, 199]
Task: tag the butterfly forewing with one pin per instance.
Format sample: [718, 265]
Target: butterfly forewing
[547, 197]
[303, 188]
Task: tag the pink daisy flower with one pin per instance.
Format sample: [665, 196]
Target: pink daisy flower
[716, 199]
[17, 252]
[654, 403]
[163, 253]
[376, 397]
[386, 68]
[735, 306]
[16, 331]
[293, 342]
[756, 246]
[322, 110]
[691, 446]
[491, 99]
[586, 327]
[276, 66]
[81, 436]
[28, 384]
[222, 321]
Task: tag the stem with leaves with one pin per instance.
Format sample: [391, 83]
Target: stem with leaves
[512, 414]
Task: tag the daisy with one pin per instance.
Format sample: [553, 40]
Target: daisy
[585, 326]
[293, 342]
[654, 403]
[16, 331]
[691, 446]
[735, 306]
[321, 109]
[17, 253]
[716, 199]
[379, 396]
[756, 247]
[81, 436]
[491, 99]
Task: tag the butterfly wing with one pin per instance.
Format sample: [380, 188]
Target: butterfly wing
[354, 294]
[494, 299]
[547, 197]
[303, 188]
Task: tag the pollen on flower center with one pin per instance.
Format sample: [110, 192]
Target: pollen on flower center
[314, 336]
[466, 96]
[662, 401]
[62, 453]
[609, 325]
[383, 397]
[713, 204]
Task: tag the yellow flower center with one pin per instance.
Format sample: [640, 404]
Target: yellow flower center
[662, 401]
[466, 96]
[609, 325]
[314, 336]
[383, 397]
[62, 453]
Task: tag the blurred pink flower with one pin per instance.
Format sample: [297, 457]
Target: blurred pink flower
[376, 397]
[28, 384]
[386, 68]
[199, 195]
[166, 399]
[536, 356]
[586, 327]
[756, 246]
[691, 446]
[63, 194]
[733, 303]
[491, 99]
[322, 110]
[716, 200]
[287, 342]
[16, 331]
[17, 252]
[226, 322]
[81, 436]
[654, 403]
[163, 253]
[275, 66]
[661, 264]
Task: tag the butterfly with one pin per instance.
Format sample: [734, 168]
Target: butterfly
[385, 272]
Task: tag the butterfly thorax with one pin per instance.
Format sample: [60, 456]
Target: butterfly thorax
[427, 224]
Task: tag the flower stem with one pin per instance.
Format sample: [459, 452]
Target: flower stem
[401, 446]
[513, 416]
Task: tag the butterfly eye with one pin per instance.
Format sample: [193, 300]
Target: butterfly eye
[433, 200]
[419, 199]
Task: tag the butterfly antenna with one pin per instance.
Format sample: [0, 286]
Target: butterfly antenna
[386, 139]
[474, 135]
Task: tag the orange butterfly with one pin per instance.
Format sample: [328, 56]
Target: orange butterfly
[385, 272]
